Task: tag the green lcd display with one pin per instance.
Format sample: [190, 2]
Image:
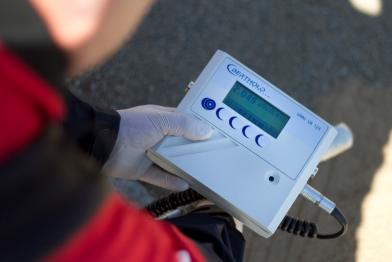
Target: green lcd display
[256, 109]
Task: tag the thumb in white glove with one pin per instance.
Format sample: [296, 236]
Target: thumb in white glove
[140, 129]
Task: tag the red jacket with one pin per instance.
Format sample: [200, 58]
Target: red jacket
[114, 230]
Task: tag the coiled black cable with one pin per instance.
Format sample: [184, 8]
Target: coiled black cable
[298, 227]
[173, 201]
[289, 224]
[309, 229]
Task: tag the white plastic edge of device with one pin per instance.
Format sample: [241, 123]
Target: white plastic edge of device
[320, 150]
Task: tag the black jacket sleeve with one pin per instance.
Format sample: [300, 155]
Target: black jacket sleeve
[94, 130]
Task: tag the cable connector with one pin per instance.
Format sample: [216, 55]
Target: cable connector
[328, 206]
[318, 199]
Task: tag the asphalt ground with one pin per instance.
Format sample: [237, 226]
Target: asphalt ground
[332, 58]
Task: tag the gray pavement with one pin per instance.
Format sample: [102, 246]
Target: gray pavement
[332, 58]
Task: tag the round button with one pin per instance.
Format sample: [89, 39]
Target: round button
[261, 140]
[245, 131]
[231, 121]
[208, 103]
[218, 113]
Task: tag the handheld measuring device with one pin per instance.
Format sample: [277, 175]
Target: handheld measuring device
[264, 148]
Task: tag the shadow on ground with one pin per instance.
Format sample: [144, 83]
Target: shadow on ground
[333, 59]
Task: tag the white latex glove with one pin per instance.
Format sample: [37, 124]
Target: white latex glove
[141, 128]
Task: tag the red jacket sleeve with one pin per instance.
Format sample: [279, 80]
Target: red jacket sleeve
[120, 232]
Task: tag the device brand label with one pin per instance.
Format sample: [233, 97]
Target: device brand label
[233, 69]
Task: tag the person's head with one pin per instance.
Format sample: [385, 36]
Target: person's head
[89, 31]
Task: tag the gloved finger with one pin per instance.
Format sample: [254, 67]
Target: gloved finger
[158, 177]
[154, 107]
[163, 108]
[178, 124]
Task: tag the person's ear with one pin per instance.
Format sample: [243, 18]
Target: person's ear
[71, 22]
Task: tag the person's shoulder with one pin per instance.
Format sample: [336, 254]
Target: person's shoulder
[28, 103]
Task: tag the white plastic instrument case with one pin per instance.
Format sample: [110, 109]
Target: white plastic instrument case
[264, 148]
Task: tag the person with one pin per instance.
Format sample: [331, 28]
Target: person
[55, 203]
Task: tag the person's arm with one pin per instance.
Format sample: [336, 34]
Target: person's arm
[57, 207]
[75, 216]
[94, 130]
[54, 203]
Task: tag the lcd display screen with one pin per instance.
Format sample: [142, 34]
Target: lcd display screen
[256, 109]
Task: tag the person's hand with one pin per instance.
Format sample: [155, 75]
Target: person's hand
[141, 128]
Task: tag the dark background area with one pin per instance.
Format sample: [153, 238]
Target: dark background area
[327, 55]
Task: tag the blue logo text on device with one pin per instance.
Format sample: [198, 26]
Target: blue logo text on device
[232, 68]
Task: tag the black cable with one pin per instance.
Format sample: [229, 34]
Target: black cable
[299, 227]
[173, 201]
[289, 224]
[341, 219]
[309, 229]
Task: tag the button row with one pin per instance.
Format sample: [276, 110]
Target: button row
[209, 104]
